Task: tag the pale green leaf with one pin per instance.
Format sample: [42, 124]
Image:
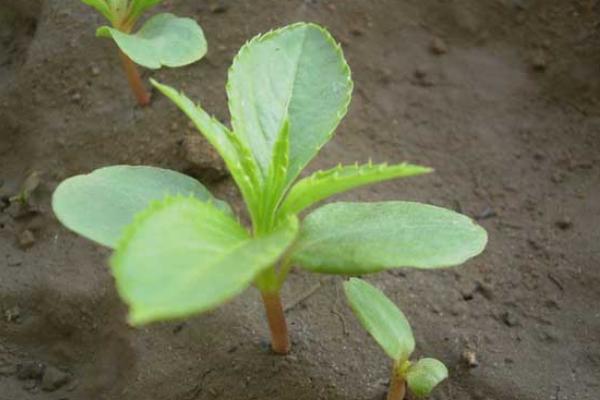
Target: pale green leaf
[424, 375]
[273, 190]
[238, 158]
[357, 238]
[323, 184]
[381, 318]
[296, 72]
[183, 256]
[139, 6]
[100, 204]
[101, 6]
[164, 40]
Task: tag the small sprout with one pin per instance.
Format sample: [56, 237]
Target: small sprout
[179, 251]
[163, 40]
[29, 186]
[391, 330]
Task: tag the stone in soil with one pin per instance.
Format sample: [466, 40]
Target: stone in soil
[203, 162]
[30, 370]
[469, 358]
[26, 239]
[438, 46]
[54, 379]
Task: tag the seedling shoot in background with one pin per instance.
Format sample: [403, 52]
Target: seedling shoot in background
[163, 40]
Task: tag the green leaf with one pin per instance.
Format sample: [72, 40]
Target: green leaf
[139, 6]
[273, 190]
[238, 158]
[296, 72]
[323, 184]
[101, 7]
[424, 375]
[183, 256]
[164, 40]
[381, 318]
[358, 238]
[100, 204]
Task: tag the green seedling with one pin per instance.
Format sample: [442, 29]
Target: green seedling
[164, 40]
[391, 330]
[29, 186]
[178, 251]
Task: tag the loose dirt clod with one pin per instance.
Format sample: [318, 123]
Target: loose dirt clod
[438, 46]
[469, 358]
[30, 370]
[13, 314]
[54, 378]
[564, 223]
[509, 319]
[26, 239]
[203, 161]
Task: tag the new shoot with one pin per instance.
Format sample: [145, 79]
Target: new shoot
[391, 330]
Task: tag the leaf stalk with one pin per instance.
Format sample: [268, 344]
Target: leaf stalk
[135, 81]
[397, 389]
[277, 324]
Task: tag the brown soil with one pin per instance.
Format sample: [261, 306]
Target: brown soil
[501, 97]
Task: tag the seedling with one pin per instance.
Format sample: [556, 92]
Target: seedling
[164, 40]
[178, 251]
[391, 330]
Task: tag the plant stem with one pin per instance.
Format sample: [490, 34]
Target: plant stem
[279, 333]
[397, 388]
[135, 82]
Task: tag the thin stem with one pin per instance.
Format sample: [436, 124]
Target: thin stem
[135, 82]
[397, 389]
[276, 318]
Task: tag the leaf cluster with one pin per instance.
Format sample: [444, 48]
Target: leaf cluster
[178, 251]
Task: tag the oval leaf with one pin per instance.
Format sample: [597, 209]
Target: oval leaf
[381, 318]
[164, 40]
[424, 375]
[357, 238]
[100, 204]
[296, 72]
[182, 256]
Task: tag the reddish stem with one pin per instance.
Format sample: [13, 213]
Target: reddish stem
[397, 389]
[135, 82]
[279, 333]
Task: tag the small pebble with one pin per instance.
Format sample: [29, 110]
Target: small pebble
[218, 8]
[26, 239]
[509, 319]
[53, 379]
[30, 370]
[438, 46]
[95, 70]
[564, 223]
[539, 61]
[470, 358]
[12, 314]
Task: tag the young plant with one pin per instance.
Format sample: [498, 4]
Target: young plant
[164, 40]
[391, 330]
[178, 251]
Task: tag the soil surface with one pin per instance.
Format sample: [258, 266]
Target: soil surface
[501, 97]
